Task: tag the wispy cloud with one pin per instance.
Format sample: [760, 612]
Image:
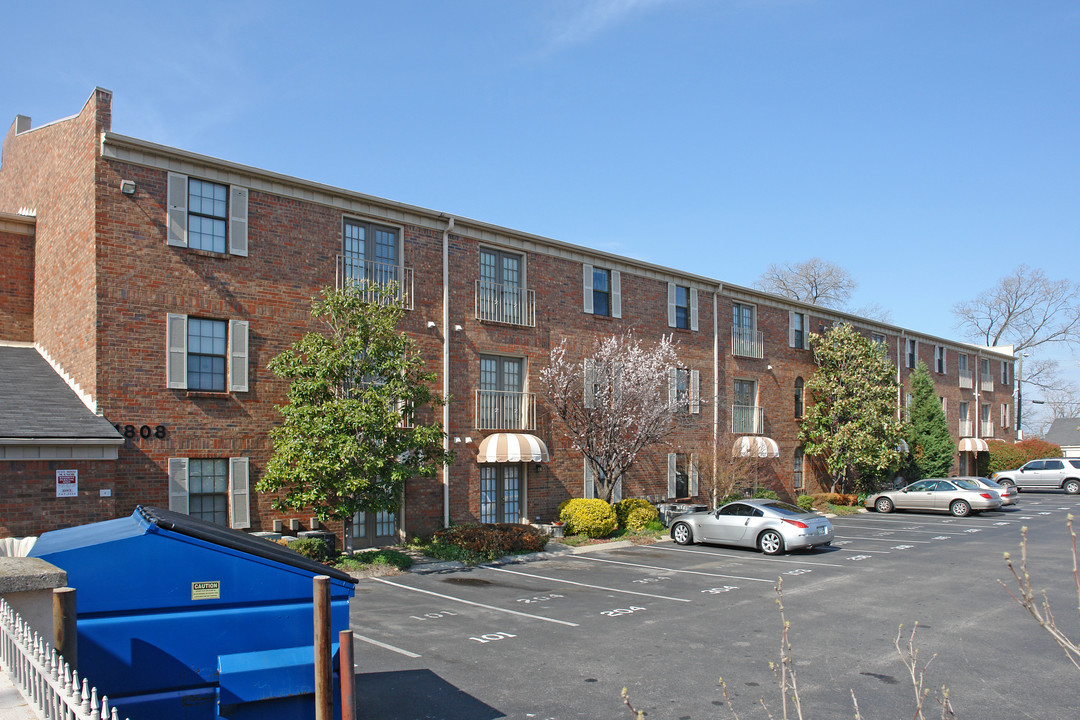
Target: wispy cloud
[594, 17]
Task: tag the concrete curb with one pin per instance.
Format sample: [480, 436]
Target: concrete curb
[551, 551]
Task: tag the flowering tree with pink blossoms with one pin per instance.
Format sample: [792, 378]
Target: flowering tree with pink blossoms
[615, 402]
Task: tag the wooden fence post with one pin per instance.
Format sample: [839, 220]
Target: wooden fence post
[324, 684]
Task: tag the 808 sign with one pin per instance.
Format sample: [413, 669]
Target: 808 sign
[144, 431]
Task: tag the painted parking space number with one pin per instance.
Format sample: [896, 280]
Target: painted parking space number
[622, 611]
[718, 590]
[432, 615]
[491, 637]
[798, 571]
[902, 547]
[859, 557]
[540, 598]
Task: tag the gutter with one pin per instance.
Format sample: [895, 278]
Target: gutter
[446, 364]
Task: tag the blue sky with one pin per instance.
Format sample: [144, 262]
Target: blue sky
[927, 146]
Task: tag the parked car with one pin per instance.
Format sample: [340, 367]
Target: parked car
[1008, 493]
[956, 495]
[771, 526]
[1044, 474]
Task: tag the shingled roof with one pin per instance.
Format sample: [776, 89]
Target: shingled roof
[1064, 432]
[38, 405]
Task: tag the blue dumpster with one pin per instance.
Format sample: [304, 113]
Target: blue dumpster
[181, 618]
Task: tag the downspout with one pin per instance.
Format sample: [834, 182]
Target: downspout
[899, 388]
[716, 385]
[446, 364]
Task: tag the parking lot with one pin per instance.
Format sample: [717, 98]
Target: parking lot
[559, 638]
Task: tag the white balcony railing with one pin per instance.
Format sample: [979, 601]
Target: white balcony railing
[505, 410]
[966, 380]
[505, 304]
[747, 343]
[986, 383]
[366, 276]
[986, 429]
[966, 429]
[747, 419]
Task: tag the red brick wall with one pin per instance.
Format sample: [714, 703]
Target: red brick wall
[17, 280]
[28, 503]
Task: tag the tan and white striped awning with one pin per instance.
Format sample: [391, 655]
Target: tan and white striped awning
[975, 445]
[755, 446]
[512, 447]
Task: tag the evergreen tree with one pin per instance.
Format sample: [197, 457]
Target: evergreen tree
[932, 448]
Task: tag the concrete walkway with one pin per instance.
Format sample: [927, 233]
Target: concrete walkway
[12, 704]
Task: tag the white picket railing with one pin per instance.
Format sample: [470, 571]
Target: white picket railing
[51, 688]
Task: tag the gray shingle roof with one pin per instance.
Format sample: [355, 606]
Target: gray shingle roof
[35, 402]
[1065, 432]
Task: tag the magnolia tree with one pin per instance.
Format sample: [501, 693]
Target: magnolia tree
[852, 424]
[615, 402]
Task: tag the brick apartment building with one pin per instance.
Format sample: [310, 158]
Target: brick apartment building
[145, 288]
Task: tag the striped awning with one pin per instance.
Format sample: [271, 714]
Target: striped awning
[755, 446]
[512, 447]
[975, 445]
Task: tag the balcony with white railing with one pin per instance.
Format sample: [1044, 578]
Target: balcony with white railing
[505, 304]
[747, 343]
[966, 428]
[966, 380]
[986, 383]
[505, 410]
[367, 276]
[747, 419]
[986, 429]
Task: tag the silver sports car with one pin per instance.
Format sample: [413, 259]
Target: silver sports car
[956, 495]
[769, 525]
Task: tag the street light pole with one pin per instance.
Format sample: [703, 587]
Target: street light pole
[1020, 398]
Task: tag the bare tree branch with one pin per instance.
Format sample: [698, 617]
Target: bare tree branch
[815, 282]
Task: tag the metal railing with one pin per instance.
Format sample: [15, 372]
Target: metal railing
[966, 428]
[50, 687]
[370, 277]
[505, 410]
[747, 343]
[967, 381]
[986, 428]
[986, 382]
[747, 419]
[505, 304]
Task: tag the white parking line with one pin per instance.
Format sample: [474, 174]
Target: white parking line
[584, 585]
[873, 552]
[655, 567]
[888, 539]
[930, 532]
[741, 557]
[383, 645]
[476, 604]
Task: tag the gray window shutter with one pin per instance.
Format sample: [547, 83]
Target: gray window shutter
[176, 233]
[791, 328]
[695, 391]
[586, 287]
[176, 351]
[239, 502]
[590, 482]
[693, 309]
[671, 304]
[590, 383]
[178, 485]
[671, 460]
[616, 492]
[616, 294]
[238, 220]
[693, 477]
[673, 386]
[238, 356]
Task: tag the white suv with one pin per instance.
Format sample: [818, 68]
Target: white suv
[1044, 474]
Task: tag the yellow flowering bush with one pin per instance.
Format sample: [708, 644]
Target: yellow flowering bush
[591, 517]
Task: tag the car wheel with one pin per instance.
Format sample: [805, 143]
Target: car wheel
[1005, 483]
[884, 505]
[1072, 486]
[681, 534]
[960, 508]
[771, 543]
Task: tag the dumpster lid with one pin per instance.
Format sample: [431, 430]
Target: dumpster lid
[235, 540]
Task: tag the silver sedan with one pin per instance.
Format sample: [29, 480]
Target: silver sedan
[1009, 493]
[771, 526]
[956, 495]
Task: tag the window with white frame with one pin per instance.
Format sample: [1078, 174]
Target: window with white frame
[799, 397]
[205, 215]
[684, 389]
[797, 324]
[912, 352]
[1004, 416]
[501, 294]
[939, 359]
[502, 403]
[986, 428]
[1004, 373]
[879, 339]
[965, 420]
[797, 470]
[682, 307]
[500, 493]
[213, 489]
[944, 405]
[746, 340]
[682, 477]
[205, 354]
[746, 416]
[601, 291]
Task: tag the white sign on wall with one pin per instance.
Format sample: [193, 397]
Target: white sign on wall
[67, 483]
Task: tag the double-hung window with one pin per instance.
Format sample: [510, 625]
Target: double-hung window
[682, 476]
[939, 359]
[206, 355]
[682, 307]
[797, 337]
[1004, 373]
[912, 352]
[799, 397]
[205, 215]
[601, 291]
[684, 389]
[213, 489]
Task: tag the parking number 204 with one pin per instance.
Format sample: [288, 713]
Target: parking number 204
[622, 611]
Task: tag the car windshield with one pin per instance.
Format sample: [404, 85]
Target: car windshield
[990, 483]
[966, 484]
[784, 508]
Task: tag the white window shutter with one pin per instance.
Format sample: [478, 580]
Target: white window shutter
[616, 492]
[590, 482]
[673, 386]
[178, 485]
[671, 460]
[693, 309]
[695, 391]
[176, 233]
[239, 500]
[238, 356]
[693, 477]
[616, 294]
[238, 220]
[590, 383]
[586, 287]
[791, 328]
[671, 304]
[176, 351]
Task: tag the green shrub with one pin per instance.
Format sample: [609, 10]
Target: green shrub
[655, 526]
[591, 517]
[473, 544]
[766, 494]
[806, 502]
[640, 517]
[370, 558]
[312, 548]
[623, 508]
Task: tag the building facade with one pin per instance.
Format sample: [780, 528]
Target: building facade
[159, 283]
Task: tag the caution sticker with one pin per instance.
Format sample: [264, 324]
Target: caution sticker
[206, 590]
